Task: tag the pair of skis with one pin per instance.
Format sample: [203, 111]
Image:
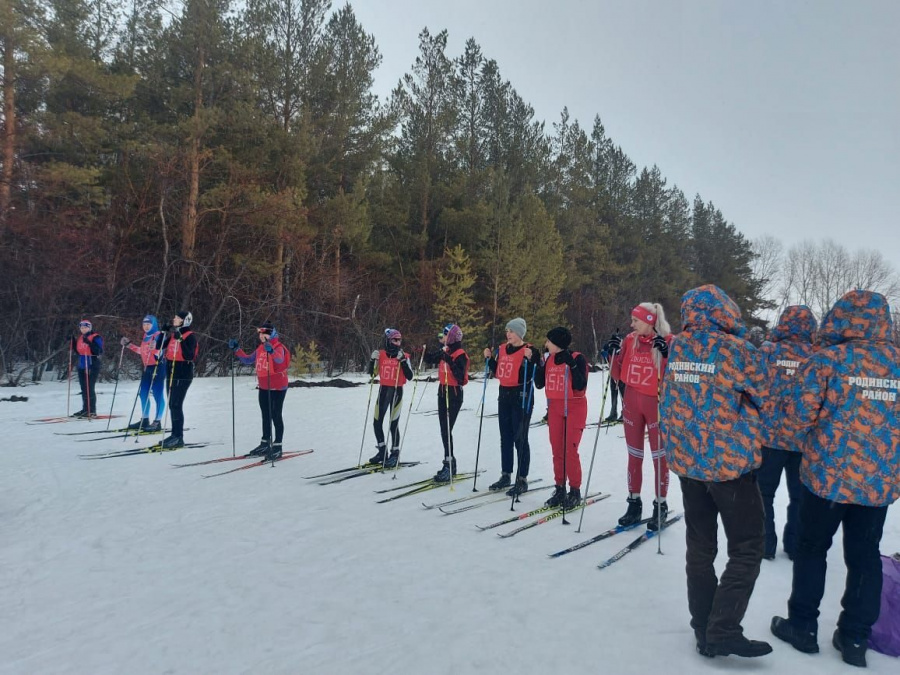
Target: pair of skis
[151, 449]
[493, 497]
[60, 420]
[425, 485]
[552, 512]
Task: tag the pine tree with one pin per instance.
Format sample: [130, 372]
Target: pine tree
[455, 299]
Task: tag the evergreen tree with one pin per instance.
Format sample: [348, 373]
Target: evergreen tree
[454, 297]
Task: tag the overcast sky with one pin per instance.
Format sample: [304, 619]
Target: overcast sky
[784, 113]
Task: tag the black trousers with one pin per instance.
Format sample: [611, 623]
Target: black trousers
[87, 379]
[276, 418]
[450, 400]
[769, 476]
[514, 423]
[718, 605]
[388, 405]
[177, 391]
[863, 527]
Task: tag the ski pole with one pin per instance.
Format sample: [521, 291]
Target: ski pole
[69, 381]
[487, 371]
[408, 412]
[449, 430]
[659, 451]
[424, 387]
[269, 396]
[169, 390]
[391, 413]
[87, 387]
[116, 387]
[233, 430]
[145, 408]
[565, 439]
[366, 420]
[587, 484]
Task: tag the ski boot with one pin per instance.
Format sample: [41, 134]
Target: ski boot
[153, 428]
[660, 513]
[140, 425]
[573, 500]
[260, 449]
[558, 497]
[273, 453]
[447, 470]
[519, 489]
[80, 413]
[611, 419]
[633, 514]
[392, 459]
[502, 482]
[378, 457]
[172, 442]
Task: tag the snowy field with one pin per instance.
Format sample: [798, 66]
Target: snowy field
[128, 565]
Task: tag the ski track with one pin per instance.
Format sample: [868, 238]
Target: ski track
[130, 566]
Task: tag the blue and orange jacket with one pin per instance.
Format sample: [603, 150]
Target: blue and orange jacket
[271, 368]
[89, 348]
[713, 391]
[789, 346]
[842, 407]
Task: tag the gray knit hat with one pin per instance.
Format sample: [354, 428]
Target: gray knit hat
[517, 326]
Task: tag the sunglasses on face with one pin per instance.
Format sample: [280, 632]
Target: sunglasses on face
[84, 325]
[263, 331]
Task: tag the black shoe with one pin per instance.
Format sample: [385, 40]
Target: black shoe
[702, 647]
[520, 488]
[80, 413]
[392, 459]
[634, 514]
[140, 425]
[378, 457]
[853, 653]
[612, 419]
[739, 646]
[260, 449]
[502, 482]
[801, 640]
[768, 556]
[443, 476]
[173, 442]
[660, 512]
[558, 498]
[273, 453]
[573, 499]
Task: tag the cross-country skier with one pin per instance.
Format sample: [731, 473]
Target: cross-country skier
[640, 361]
[393, 369]
[453, 375]
[514, 367]
[564, 381]
[842, 411]
[178, 345]
[272, 360]
[89, 347]
[153, 378]
[713, 394]
[616, 387]
[788, 347]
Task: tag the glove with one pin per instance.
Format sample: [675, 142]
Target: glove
[566, 357]
[176, 333]
[660, 345]
[269, 348]
[124, 342]
[613, 345]
[375, 355]
[166, 327]
[233, 344]
[401, 356]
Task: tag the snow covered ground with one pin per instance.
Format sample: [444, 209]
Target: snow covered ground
[127, 565]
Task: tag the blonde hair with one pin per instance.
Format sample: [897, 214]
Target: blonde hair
[661, 326]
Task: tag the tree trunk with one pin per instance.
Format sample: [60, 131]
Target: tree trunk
[189, 220]
[9, 113]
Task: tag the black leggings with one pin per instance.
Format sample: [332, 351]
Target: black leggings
[388, 400]
[277, 399]
[177, 391]
[87, 378]
[455, 395]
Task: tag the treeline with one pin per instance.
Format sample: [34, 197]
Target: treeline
[232, 159]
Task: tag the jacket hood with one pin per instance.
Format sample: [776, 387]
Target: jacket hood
[154, 326]
[859, 315]
[797, 323]
[710, 307]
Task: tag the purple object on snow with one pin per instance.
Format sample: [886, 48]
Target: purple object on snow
[886, 631]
